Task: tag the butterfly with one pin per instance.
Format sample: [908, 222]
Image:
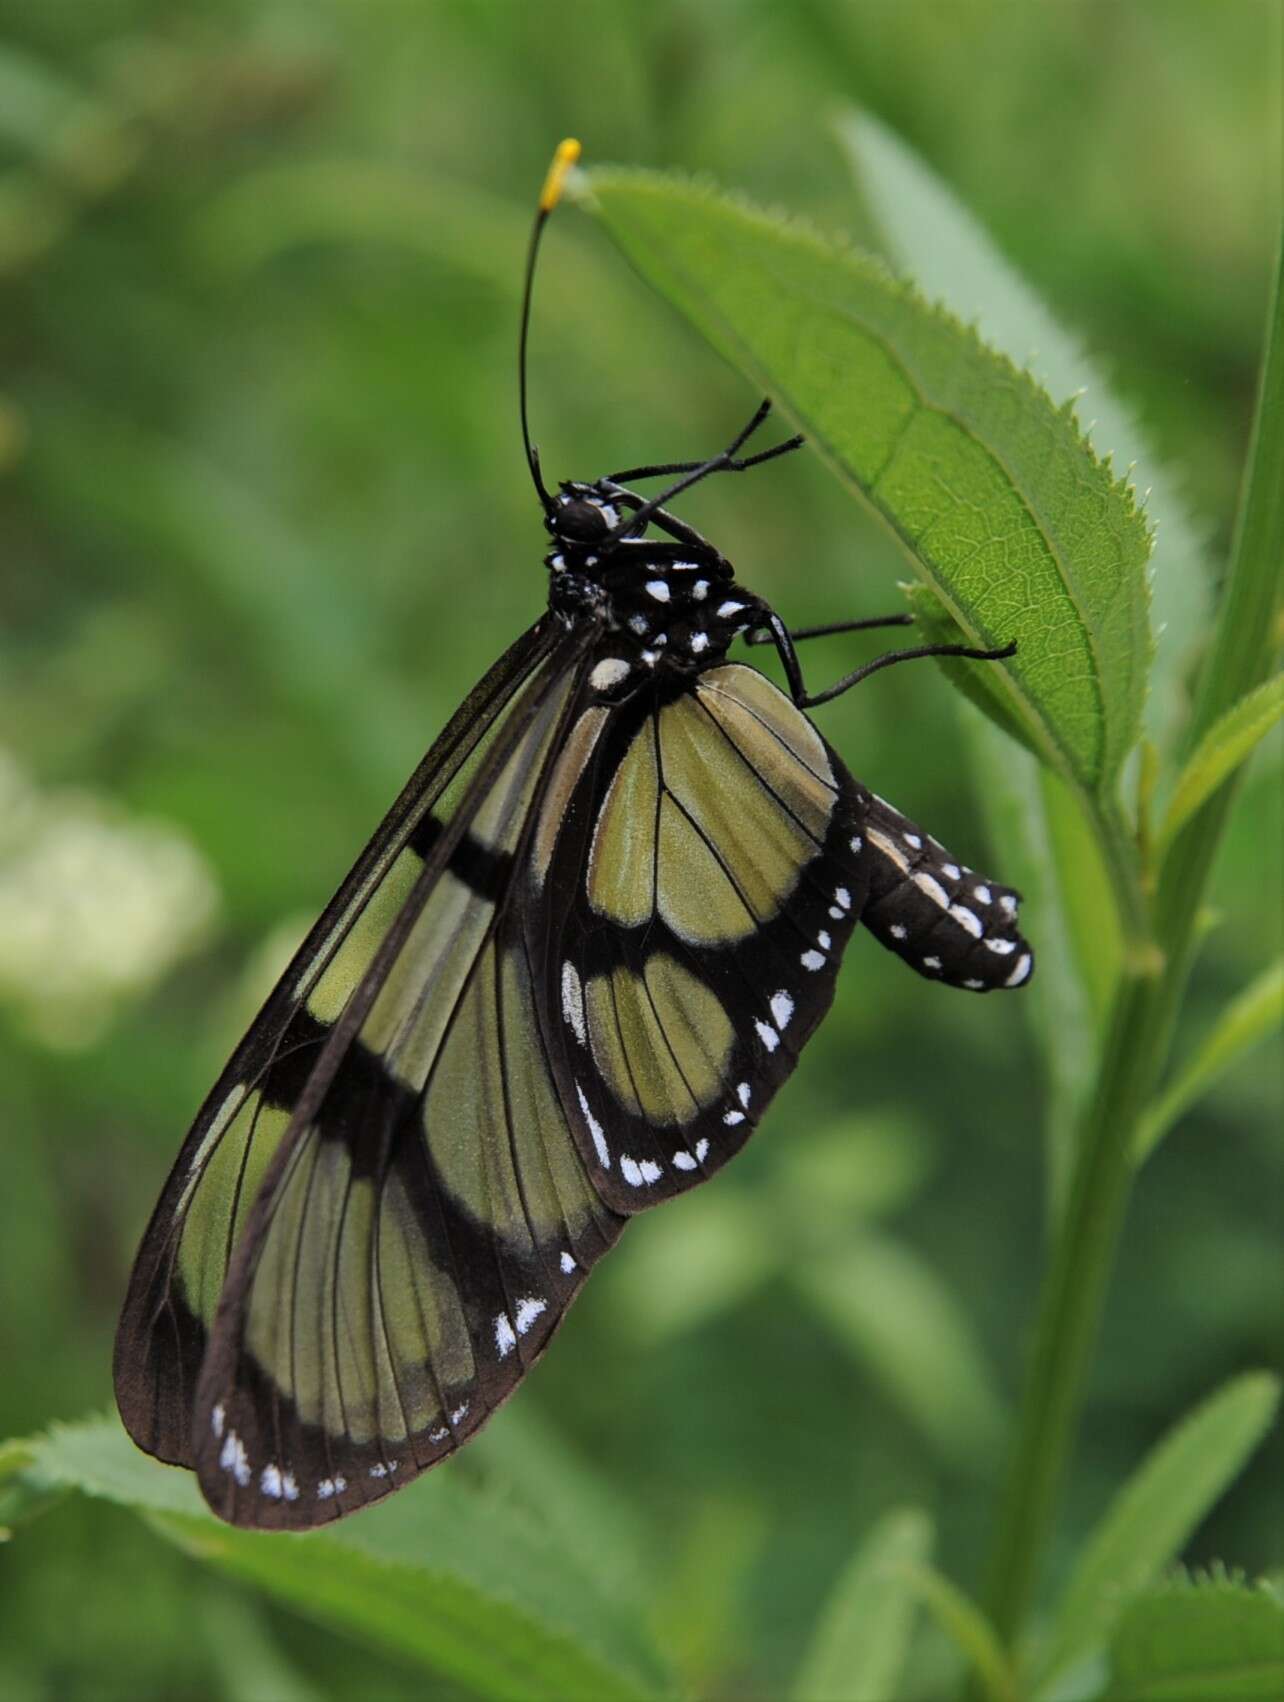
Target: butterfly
[562, 983]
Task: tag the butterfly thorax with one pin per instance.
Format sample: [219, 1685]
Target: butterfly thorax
[660, 606]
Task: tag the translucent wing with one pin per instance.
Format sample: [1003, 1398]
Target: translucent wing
[700, 894]
[183, 1262]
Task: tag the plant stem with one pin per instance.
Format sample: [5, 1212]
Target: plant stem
[1139, 1033]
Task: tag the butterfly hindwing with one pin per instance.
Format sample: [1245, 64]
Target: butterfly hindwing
[700, 894]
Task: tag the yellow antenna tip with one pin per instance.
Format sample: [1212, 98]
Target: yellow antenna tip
[567, 153]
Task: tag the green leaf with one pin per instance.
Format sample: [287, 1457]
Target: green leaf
[942, 247]
[443, 1574]
[1143, 1531]
[1227, 743]
[861, 1639]
[993, 492]
[1257, 1012]
[976, 682]
[892, 1311]
[1209, 1641]
[962, 1620]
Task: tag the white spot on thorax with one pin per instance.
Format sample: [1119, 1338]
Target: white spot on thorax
[699, 642]
[858, 844]
[782, 1008]
[700, 590]
[659, 589]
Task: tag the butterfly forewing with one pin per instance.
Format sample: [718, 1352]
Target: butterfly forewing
[182, 1264]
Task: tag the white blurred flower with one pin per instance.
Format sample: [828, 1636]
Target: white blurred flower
[95, 906]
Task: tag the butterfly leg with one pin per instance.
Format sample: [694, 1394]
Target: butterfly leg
[783, 640]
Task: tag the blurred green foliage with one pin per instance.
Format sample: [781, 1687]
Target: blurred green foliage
[262, 522]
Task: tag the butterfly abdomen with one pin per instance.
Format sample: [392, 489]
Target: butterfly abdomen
[942, 918]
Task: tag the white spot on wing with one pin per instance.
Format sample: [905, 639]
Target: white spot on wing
[700, 590]
[459, 1414]
[1001, 948]
[440, 1434]
[782, 1008]
[650, 1170]
[278, 1484]
[699, 642]
[914, 840]
[983, 894]
[898, 930]
[609, 672]
[329, 1486]
[931, 963]
[858, 844]
[742, 1092]
[568, 1264]
[842, 898]
[1009, 903]
[217, 1417]
[630, 1170]
[595, 1129]
[731, 608]
[234, 1458]
[505, 1335]
[812, 960]
[952, 870]
[573, 1001]
[639, 624]
[976, 986]
[768, 1035]
[702, 1149]
[967, 919]
[823, 939]
[733, 1117]
[527, 1312]
[683, 1161]
[658, 589]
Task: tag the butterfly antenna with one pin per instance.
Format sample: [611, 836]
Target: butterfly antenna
[565, 157]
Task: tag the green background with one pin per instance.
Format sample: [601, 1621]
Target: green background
[263, 520]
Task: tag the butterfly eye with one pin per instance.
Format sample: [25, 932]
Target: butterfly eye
[581, 522]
